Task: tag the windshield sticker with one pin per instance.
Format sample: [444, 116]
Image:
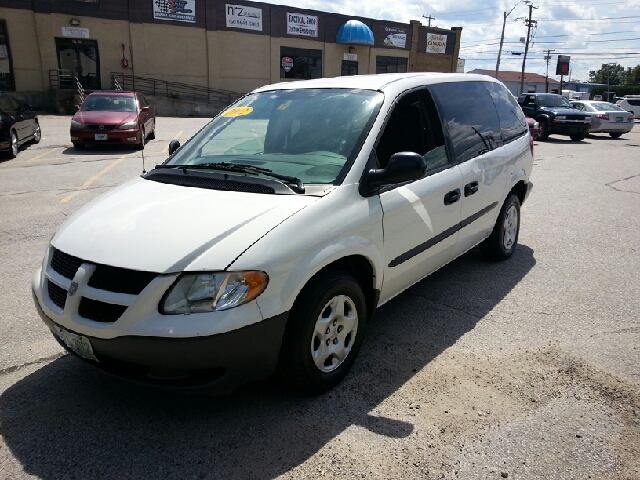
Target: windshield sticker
[237, 112]
[284, 106]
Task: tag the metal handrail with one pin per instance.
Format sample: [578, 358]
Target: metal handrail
[176, 90]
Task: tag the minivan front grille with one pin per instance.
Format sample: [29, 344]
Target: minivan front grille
[65, 264]
[100, 311]
[58, 295]
[120, 280]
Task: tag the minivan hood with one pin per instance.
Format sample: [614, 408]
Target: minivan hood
[106, 118]
[150, 226]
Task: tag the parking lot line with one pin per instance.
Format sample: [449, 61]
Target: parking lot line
[48, 152]
[166, 149]
[94, 178]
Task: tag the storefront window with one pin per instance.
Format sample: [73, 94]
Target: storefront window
[300, 63]
[6, 71]
[391, 65]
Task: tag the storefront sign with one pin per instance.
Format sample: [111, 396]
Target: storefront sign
[239, 16]
[75, 32]
[177, 10]
[436, 43]
[301, 24]
[395, 37]
[287, 64]
[351, 57]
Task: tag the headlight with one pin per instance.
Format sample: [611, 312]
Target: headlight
[128, 126]
[561, 117]
[209, 292]
[75, 124]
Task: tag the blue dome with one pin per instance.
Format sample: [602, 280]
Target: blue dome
[354, 32]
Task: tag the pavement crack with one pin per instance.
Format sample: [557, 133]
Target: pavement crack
[610, 184]
[15, 368]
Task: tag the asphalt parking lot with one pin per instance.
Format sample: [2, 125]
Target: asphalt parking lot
[524, 369]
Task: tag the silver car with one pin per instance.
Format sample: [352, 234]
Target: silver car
[606, 117]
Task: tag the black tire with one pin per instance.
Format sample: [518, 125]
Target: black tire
[78, 146]
[615, 135]
[301, 339]
[545, 130]
[577, 137]
[37, 135]
[13, 145]
[502, 242]
[152, 135]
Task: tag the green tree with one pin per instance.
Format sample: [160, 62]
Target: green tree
[633, 75]
[612, 74]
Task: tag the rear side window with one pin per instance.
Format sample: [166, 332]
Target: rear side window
[470, 116]
[512, 120]
[634, 101]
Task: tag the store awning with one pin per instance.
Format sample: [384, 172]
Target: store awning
[354, 32]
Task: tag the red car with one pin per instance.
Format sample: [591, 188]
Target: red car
[534, 128]
[116, 118]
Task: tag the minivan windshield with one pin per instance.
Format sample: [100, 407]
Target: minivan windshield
[311, 134]
[553, 100]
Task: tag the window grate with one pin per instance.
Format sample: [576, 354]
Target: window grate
[58, 295]
[100, 311]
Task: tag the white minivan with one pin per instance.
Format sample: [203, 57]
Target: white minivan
[268, 239]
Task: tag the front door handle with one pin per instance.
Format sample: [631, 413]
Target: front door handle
[470, 188]
[452, 197]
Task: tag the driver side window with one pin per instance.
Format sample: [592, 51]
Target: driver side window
[414, 126]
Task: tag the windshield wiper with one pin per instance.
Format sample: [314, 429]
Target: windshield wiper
[292, 182]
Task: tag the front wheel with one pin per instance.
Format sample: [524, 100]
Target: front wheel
[140, 146]
[324, 333]
[13, 147]
[577, 137]
[152, 135]
[502, 242]
[615, 135]
[545, 130]
[37, 134]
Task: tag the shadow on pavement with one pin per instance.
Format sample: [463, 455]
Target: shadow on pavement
[67, 420]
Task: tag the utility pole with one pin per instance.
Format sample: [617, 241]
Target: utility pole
[546, 79]
[504, 23]
[429, 18]
[529, 23]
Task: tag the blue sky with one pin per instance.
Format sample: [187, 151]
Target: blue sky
[591, 32]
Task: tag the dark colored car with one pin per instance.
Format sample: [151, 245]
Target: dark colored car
[115, 118]
[555, 115]
[18, 125]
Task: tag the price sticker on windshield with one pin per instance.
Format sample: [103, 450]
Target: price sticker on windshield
[237, 111]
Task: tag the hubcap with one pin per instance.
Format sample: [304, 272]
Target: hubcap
[510, 228]
[37, 134]
[334, 333]
[14, 144]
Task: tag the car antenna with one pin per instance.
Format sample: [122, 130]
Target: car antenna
[133, 77]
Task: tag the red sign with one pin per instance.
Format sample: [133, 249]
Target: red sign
[287, 64]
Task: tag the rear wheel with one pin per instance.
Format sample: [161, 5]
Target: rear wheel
[502, 242]
[13, 146]
[37, 134]
[324, 333]
[615, 135]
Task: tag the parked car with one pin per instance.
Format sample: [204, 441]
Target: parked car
[117, 118]
[272, 235]
[606, 117]
[18, 125]
[630, 103]
[555, 115]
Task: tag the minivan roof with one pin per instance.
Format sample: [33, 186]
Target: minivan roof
[381, 81]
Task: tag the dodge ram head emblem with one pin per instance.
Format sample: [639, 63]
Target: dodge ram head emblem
[73, 288]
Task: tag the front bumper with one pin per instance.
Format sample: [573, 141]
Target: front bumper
[114, 136]
[569, 128]
[212, 364]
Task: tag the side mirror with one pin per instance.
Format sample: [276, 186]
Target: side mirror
[402, 167]
[144, 109]
[76, 108]
[173, 146]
